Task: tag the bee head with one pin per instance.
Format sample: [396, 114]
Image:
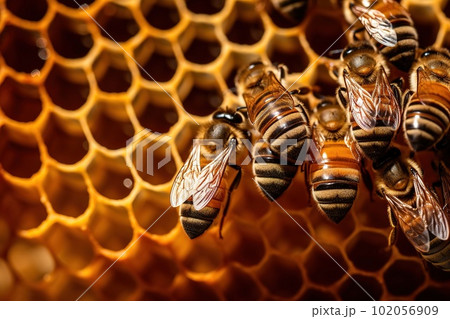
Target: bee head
[360, 59]
[330, 115]
[251, 76]
[436, 64]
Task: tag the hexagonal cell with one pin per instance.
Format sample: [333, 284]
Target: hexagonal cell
[316, 295]
[70, 37]
[281, 276]
[368, 251]
[67, 87]
[200, 94]
[75, 5]
[434, 294]
[245, 25]
[237, 284]
[31, 261]
[117, 21]
[70, 246]
[288, 51]
[184, 139]
[109, 176]
[349, 290]
[112, 72]
[20, 102]
[65, 140]
[65, 287]
[109, 124]
[403, 277]
[148, 207]
[19, 153]
[67, 192]
[321, 268]
[33, 10]
[327, 86]
[157, 60]
[110, 226]
[6, 279]
[186, 289]
[200, 44]
[202, 7]
[155, 110]
[160, 14]
[322, 31]
[426, 23]
[277, 18]
[117, 284]
[23, 50]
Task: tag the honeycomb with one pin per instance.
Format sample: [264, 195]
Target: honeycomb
[70, 206]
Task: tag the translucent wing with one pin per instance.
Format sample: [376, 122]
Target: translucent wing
[209, 179]
[183, 185]
[410, 222]
[429, 209]
[363, 109]
[384, 98]
[377, 25]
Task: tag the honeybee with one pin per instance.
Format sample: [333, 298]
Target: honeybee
[413, 206]
[390, 26]
[427, 104]
[373, 102]
[200, 187]
[294, 10]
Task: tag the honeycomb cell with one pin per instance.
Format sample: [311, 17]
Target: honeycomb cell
[117, 22]
[434, 294]
[19, 153]
[155, 110]
[203, 48]
[67, 87]
[349, 290]
[247, 27]
[66, 287]
[71, 247]
[67, 192]
[6, 279]
[319, 263]
[281, 276]
[368, 251]
[289, 52]
[161, 15]
[403, 277]
[317, 295]
[110, 226]
[426, 24]
[33, 10]
[75, 4]
[117, 284]
[112, 72]
[70, 37]
[65, 140]
[188, 290]
[109, 124]
[20, 102]
[404, 246]
[31, 261]
[23, 50]
[326, 85]
[237, 284]
[184, 139]
[202, 7]
[108, 175]
[322, 31]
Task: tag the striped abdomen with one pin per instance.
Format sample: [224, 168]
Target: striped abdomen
[439, 254]
[272, 177]
[335, 179]
[196, 222]
[427, 120]
[403, 53]
[294, 9]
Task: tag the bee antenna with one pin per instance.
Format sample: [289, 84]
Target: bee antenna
[333, 53]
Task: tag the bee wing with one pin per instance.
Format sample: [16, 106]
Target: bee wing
[386, 102]
[377, 25]
[410, 222]
[210, 177]
[363, 109]
[430, 210]
[183, 185]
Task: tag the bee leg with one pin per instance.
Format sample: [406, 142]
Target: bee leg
[234, 184]
[367, 179]
[304, 90]
[355, 32]
[341, 97]
[393, 222]
[399, 82]
[282, 71]
[406, 98]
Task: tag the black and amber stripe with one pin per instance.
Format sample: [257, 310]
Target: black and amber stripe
[439, 254]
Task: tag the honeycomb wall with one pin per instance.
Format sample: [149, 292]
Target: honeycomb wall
[70, 98]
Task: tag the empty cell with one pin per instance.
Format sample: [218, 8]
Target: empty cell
[19, 153]
[67, 192]
[434, 294]
[148, 207]
[109, 124]
[75, 4]
[20, 102]
[202, 50]
[205, 7]
[108, 175]
[160, 14]
[65, 140]
[185, 139]
[67, 87]
[327, 86]
[30, 260]
[403, 277]
[289, 52]
[278, 18]
[112, 72]
[33, 10]
[186, 289]
[322, 31]
[71, 246]
[403, 245]
[281, 276]
[117, 22]
[349, 290]
[247, 27]
[426, 23]
[70, 37]
[200, 256]
[66, 287]
[368, 251]
[110, 226]
[23, 49]
[117, 284]
[155, 110]
[237, 284]
[316, 295]
[6, 279]
[323, 269]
